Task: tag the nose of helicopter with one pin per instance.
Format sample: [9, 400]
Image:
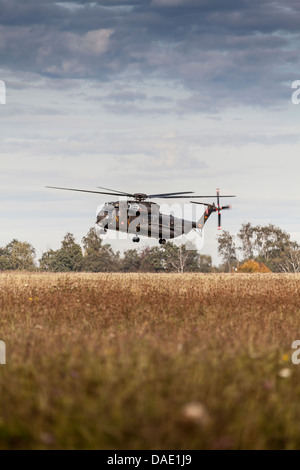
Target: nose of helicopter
[100, 218]
[101, 213]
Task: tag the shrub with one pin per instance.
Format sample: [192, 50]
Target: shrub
[252, 266]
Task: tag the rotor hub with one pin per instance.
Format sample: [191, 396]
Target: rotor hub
[140, 196]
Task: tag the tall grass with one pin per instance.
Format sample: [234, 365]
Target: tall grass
[131, 361]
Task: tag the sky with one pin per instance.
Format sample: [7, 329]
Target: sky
[147, 96]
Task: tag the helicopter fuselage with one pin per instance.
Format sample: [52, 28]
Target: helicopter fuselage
[144, 218]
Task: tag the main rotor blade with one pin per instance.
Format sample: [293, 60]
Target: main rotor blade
[206, 204]
[226, 195]
[219, 220]
[163, 195]
[189, 197]
[85, 191]
[115, 191]
[218, 197]
[202, 203]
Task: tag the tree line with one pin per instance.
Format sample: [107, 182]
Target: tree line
[253, 249]
[259, 248]
[95, 256]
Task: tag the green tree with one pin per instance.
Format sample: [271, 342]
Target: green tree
[98, 257]
[227, 249]
[151, 260]
[270, 242]
[4, 260]
[205, 264]
[247, 237]
[68, 258]
[49, 261]
[131, 261]
[271, 245]
[17, 256]
[92, 243]
[70, 255]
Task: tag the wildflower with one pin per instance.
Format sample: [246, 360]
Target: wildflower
[196, 413]
[47, 438]
[284, 373]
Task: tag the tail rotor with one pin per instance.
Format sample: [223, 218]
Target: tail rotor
[220, 208]
[215, 207]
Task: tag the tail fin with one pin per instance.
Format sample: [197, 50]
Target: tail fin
[210, 208]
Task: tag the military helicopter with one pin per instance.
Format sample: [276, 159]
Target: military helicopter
[135, 213]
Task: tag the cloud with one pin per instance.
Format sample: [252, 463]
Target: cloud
[151, 95]
[237, 51]
[172, 3]
[92, 43]
[125, 96]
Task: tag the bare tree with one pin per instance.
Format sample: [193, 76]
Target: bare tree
[291, 260]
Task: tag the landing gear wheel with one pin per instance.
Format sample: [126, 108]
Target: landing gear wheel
[162, 241]
[136, 239]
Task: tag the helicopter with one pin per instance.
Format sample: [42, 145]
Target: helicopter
[136, 214]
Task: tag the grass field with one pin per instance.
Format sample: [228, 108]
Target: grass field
[146, 361]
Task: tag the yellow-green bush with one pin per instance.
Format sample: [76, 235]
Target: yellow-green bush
[252, 266]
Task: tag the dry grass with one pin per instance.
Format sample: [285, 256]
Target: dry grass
[131, 361]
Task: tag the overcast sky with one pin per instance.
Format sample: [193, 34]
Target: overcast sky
[150, 96]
